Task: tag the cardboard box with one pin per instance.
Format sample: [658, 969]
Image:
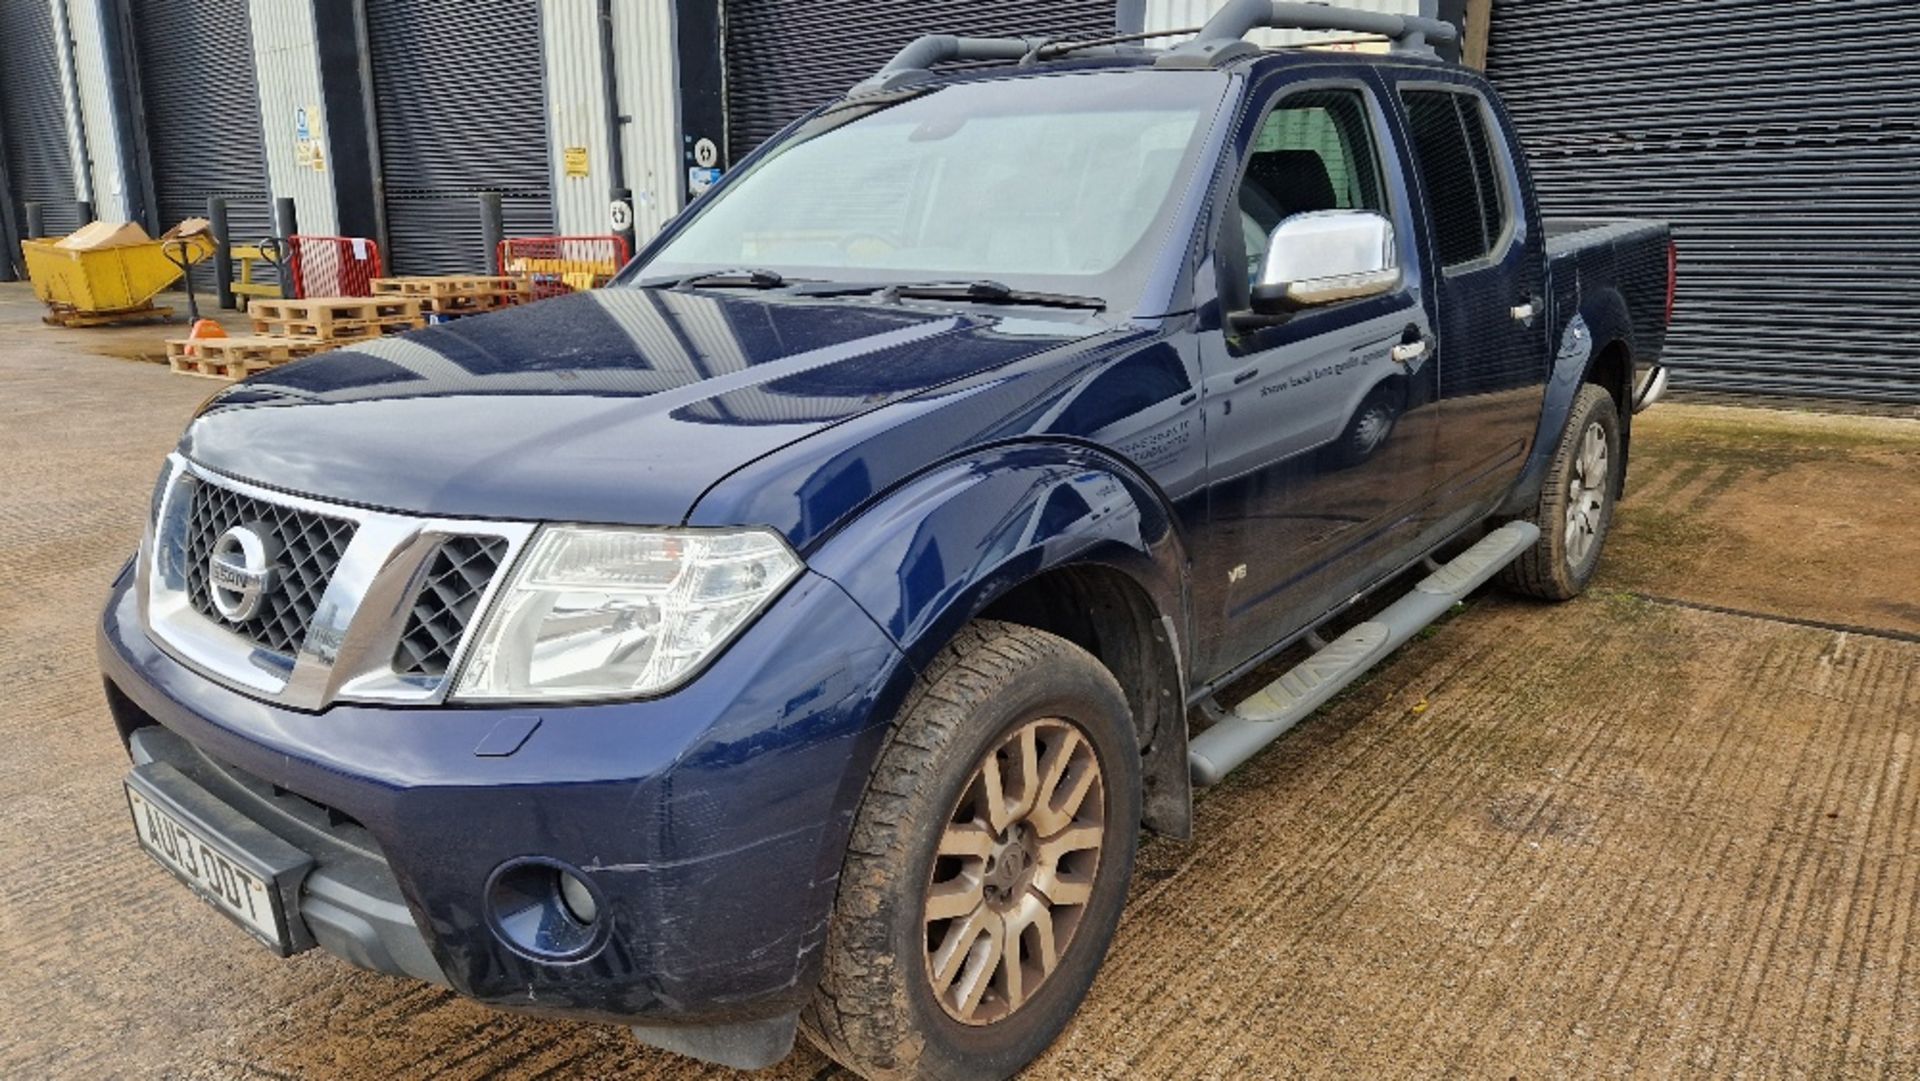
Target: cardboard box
[188, 229]
[100, 235]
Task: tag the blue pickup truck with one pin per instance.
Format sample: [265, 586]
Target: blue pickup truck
[798, 634]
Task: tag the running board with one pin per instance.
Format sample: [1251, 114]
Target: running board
[1294, 697]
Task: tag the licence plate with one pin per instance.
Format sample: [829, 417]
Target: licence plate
[221, 878]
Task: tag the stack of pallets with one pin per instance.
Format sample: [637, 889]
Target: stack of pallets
[335, 320]
[287, 330]
[236, 358]
[449, 296]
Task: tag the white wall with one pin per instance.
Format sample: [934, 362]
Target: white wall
[287, 69]
[649, 73]
[110, 188]
[645, 59]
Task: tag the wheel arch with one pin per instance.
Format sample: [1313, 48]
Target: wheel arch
[1059, 536]
[1596, 346]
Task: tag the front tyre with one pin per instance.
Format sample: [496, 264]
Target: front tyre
[1575, 512]
[988, 865]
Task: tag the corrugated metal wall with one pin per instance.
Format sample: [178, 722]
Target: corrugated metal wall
[33, 116]
[202, 130]
[784, 57]
[460, 109]
[1783, 142]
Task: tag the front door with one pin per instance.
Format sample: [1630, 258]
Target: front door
[1320, 441]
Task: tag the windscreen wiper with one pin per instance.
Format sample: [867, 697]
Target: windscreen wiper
[991, 292]
[746, 278]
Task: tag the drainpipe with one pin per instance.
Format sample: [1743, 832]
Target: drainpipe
[610, 91]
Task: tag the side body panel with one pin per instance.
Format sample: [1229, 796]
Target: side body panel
[1090, 453]
[1608, 292]
[933, 555]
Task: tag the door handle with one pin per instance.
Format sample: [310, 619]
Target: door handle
[1409, 352]
[1246, 377]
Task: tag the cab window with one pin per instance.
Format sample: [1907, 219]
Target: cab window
[1314, 152]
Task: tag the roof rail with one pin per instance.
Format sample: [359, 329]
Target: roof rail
[911, 64]
[1219, 42]
[1222, 40]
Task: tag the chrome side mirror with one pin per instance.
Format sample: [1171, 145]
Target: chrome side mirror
[1327, 257]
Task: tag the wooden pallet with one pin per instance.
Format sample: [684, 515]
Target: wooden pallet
[340, 332]
[456, 294]
[61, 315]
[236, 358]
[335, 318]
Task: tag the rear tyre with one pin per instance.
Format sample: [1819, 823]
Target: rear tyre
[988, 865]
[1575, 512]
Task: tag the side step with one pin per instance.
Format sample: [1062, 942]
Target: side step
[1292, 698]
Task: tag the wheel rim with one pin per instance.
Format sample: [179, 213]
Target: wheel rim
[1015, 871]
[1587, 495]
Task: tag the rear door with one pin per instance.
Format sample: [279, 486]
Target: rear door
[1488, 248]
[1320, 445]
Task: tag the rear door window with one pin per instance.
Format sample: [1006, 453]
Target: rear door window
[1454, 154]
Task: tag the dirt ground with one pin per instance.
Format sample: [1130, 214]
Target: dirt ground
[1666, 829]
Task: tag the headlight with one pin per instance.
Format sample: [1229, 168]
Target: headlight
[609, 613]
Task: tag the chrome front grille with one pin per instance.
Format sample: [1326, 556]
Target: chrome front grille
[308, 547]
[362, 606]
[462, 570]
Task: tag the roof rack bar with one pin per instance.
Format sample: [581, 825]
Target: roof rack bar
[910, 64]
[1222, 39]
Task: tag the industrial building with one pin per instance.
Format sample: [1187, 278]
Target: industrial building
[1782, 140]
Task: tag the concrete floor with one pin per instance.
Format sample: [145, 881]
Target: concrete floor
[1666, 829]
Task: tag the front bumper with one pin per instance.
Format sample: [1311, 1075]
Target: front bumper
[712, 822]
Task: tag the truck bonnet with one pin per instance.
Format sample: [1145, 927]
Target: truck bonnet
[617, 406]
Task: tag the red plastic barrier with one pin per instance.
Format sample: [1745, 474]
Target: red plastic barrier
[333, 266]
[556, 265]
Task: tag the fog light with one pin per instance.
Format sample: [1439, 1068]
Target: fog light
[545, 910]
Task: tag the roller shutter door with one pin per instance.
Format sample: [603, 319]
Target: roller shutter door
[33, 117]
[202, 112]
[460, 104]
[1782, 139]
[786, 57]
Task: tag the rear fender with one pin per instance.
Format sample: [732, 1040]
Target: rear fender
[1601, 321]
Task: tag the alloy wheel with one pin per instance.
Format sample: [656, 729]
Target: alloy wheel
[1587, 492]
[1015, 870]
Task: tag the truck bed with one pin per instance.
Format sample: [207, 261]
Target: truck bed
[1567, 234]
[1590, 257]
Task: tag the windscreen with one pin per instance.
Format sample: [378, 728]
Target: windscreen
[1062, 183]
